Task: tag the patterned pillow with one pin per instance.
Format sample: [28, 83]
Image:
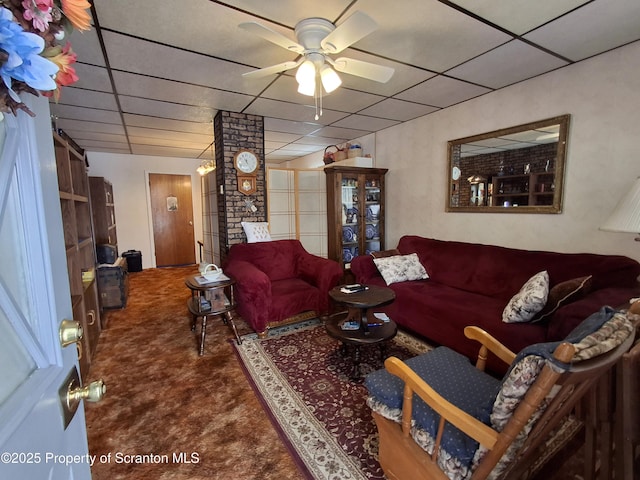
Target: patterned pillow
[256, 231]
[400, 268]
[531, 298]
[564, 293]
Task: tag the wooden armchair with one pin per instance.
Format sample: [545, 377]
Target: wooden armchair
[461, 423]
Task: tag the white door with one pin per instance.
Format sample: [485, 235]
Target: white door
[34, 299]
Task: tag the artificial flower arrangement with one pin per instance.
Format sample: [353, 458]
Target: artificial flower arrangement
[33, 57]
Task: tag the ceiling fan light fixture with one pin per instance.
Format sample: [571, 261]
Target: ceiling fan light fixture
[307, 88]
[330, 79]
[306, 73]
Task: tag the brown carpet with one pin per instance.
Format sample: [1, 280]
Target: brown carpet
[166, 406]
[163, 399]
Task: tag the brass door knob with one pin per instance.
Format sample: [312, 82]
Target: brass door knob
[94, 392]
[70, 332]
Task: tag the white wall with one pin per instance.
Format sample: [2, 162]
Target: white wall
[601, 94]
[128, 174]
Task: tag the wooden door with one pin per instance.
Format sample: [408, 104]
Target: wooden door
[172, 212]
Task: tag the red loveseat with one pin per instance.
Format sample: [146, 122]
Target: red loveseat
[277, 280]
[470, 284]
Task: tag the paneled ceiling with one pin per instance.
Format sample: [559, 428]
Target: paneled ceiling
[153, 73]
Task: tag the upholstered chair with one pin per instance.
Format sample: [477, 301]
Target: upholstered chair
[279, 282]
[439, 417]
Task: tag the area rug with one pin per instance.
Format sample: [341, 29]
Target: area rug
[306, 385]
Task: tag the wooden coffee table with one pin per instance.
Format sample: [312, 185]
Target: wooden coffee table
[360, 309]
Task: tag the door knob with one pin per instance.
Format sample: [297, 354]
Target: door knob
[70, 332]
[94, 392]
[71, 392]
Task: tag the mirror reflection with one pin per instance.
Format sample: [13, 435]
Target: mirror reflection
[516, 170]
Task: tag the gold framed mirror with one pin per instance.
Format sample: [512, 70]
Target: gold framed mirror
[514, 170]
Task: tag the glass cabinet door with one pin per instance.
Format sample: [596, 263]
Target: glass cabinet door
[372, 206]
[350, 218]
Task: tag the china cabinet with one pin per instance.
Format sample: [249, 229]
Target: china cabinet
[355, 211]
[73, 187]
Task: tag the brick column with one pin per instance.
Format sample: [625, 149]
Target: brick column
[232, 132]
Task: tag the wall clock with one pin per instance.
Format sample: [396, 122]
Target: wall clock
[246, 162]
[455, 173]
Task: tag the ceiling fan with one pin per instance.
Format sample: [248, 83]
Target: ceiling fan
[317, 39]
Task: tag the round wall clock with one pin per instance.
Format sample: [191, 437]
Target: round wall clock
[455, 173]
[246, 162]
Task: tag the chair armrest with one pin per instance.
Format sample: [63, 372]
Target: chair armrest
[322, 273]
[473, 427]
[488, 342]
[364, 269]
[253, 291]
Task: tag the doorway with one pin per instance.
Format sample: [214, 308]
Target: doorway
[172, 218]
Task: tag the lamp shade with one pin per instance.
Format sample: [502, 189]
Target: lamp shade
[626, 215]
[330, 79]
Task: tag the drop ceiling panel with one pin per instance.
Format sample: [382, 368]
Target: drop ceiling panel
[175, 111]
[507, 64]
[167, 90]
[169, 125]
[281, 137]
[519, 16]
[148, 133]
[196, 26]
[186, 153]
[86, 46]
[79, 125]
[279, 125]
[290, 12]
[92, 77]
[84, 135]
[592, 29]
[85, 114]
[400, 110]
[363, 122]
[138, 56]
[87, 98]
[345, 134]
[434, 36]
[442, 92]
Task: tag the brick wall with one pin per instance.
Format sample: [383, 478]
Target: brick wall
[233, 132]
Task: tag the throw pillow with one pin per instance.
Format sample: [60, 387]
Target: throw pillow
[531, 298]
[400, 268]
[256, 231]
[564, 293]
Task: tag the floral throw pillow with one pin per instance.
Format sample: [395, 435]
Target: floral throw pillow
[256, 231]
[400, 268]
[531, 298]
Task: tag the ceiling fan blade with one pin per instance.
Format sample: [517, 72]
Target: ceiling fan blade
[357, 26]
[272, 36]
[378, 73]
[265, 72]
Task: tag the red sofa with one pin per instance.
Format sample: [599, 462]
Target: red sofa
[470, 284]
[277, 280]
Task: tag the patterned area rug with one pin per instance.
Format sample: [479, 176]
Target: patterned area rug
[306, 386]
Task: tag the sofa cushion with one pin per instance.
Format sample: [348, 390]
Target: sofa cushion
[401, 268]
[291, 296]
[469, 389]
[562, 294]
[531, 299]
